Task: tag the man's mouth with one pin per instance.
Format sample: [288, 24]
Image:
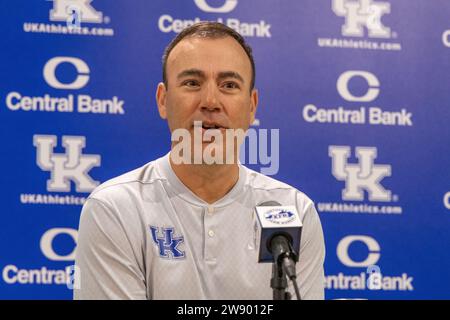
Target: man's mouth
[209, 125]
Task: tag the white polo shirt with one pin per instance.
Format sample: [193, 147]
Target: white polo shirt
[145, 235]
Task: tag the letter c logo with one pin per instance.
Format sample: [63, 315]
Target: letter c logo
[80, 81]
[371, 79]
[447, 200]
[372, 245]
[228, 6]
[446, 38]
[47, 244]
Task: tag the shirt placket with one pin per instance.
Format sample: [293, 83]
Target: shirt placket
[211, 235]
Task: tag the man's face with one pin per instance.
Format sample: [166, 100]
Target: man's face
[209, 81]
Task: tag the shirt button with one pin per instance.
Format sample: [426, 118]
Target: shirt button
[211, 233]
[210, 210]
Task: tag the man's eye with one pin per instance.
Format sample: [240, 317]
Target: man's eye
[230, 85]
[191, 83]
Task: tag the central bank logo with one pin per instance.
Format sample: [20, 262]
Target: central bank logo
[73, 165]
[167, 244]
[73, 102]
[360, 177]
[168, 23]
[51, 247]
[373, 115]
[363, 14]
[227, 6]
[63, 10]
[372, 279]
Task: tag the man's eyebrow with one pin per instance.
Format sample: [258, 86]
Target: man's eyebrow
[230, 74]
[190, 73]
[199, 73]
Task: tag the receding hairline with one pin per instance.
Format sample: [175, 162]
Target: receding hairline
[210, 30]
[194, 37]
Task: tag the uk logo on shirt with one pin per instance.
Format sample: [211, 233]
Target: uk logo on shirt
[166, 243]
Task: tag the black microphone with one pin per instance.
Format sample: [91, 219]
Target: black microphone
[283, 253]
[279, 233]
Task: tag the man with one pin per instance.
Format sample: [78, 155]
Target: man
[177, 229]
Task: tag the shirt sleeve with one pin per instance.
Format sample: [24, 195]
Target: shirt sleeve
[310, 270]
[107, 263]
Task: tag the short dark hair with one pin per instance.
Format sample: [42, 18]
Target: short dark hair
[209, 30]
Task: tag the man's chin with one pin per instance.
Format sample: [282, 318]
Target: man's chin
[206, 153]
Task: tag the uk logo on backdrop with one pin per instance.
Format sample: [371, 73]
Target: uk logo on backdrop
[367, 273]
[362, 176]
[363, 26]
[68, 172]
[363, 15]
[72, 166]
[363, 182]
[167, 23]
[63, 10]
[71, 17]
[355, 108]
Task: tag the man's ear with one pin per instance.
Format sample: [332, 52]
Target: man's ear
[253, 105]
[161, 93]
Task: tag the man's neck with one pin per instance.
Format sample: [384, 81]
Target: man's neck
[208, 182]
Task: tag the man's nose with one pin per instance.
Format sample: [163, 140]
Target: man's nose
[210, 100]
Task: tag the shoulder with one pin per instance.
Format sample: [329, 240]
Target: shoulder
[273, 189]
[128, 186]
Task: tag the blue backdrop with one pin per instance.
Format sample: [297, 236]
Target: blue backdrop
[360, 90]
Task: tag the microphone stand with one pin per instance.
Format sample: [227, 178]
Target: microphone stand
[279, 282]
[283, 267]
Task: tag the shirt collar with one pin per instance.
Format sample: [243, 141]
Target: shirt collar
[165, 169]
